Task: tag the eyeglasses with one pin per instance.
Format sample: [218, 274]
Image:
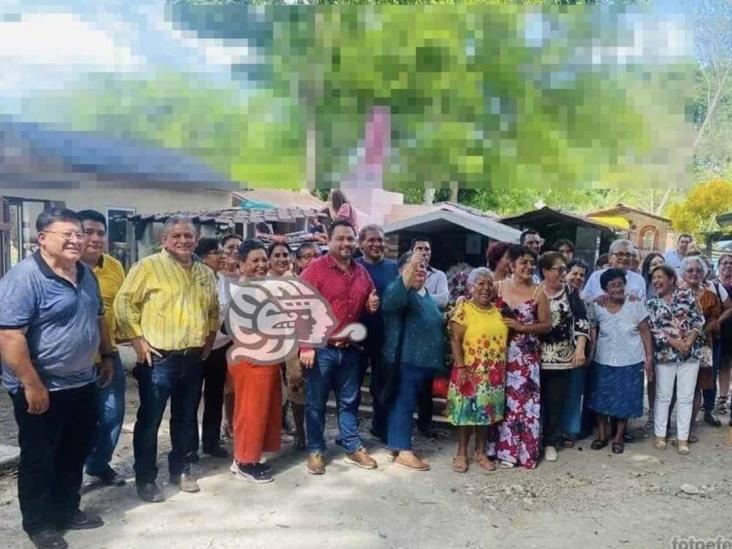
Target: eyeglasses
[560, 270]
[68, 235]
[622, 254]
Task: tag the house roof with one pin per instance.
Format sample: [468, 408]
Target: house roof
[277, 198]
[620, 209]
[400, 212]
[447, 215]
[725, 220]
[546, 213]
[112, 158]
[230, 216]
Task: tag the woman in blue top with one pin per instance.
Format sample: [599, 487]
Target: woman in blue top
[413, 343]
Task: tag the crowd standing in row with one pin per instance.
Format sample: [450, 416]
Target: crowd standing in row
[537, 354]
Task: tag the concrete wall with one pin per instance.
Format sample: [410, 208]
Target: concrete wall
[103, 196]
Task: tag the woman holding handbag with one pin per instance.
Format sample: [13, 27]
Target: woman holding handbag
[413, 351]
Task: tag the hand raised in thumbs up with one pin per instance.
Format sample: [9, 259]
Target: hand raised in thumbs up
[372, 304]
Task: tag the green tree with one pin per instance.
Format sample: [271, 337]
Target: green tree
[697, 212]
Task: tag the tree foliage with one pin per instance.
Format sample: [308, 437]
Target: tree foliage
[697, 212]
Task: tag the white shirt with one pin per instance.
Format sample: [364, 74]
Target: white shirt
[436, 284]
[221, 338]
[635, 286]
[673, 259]
[618, 338]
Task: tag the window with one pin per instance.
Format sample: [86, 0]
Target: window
[648, 238]
[117, 232]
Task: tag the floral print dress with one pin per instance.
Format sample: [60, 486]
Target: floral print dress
[519, 433]
[480, 400]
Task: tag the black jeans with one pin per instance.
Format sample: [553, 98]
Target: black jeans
[214, 379]
[178, 378]
[554, 387]
[53, 447]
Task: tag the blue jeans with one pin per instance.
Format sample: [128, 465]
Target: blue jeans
[178, 378]
[710, 395]
[399, 432]
[110, 415]
[341, 370]
[571, 422]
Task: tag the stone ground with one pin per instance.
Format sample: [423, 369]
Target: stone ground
[643, 498]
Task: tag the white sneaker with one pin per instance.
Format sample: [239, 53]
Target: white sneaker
[550, 453]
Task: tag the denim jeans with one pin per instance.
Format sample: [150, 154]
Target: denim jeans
[411, 381]
[571, 422]
[380, 416]
[710, 395]
[178, 378]
[110, 415]
[339, 369]
[53, 447]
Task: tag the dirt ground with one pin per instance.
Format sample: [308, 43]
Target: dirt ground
[643, 498]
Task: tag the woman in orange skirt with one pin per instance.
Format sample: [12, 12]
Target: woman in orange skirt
[258, 393]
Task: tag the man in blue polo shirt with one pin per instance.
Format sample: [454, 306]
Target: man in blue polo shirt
[383, 271]
[50, 331]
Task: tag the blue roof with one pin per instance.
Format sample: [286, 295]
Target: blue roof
[114, 158]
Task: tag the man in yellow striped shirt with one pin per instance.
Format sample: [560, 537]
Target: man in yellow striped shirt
[168, 309]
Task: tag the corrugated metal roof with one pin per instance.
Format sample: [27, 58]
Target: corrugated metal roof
[231, 216]
[110, 157]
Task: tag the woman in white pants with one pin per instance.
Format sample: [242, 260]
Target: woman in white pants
[677, 326]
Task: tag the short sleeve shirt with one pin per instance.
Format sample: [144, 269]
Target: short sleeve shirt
[618, 337]
[60, 322]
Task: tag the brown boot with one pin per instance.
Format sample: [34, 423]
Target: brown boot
[361, 458]
[316, 464]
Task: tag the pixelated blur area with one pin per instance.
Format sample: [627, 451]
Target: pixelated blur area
[399, 97]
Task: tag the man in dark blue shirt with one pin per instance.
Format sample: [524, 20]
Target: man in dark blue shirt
[51, 330]
[383, 271]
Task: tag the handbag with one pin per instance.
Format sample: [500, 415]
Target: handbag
[705, 357]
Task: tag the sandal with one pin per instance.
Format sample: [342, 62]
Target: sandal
[598, 444]
[486, 464]
[567, 443]
[721, 408]
[507, 465]
[618, 447]
[460, 464]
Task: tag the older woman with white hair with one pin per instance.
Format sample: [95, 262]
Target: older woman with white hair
[476, 398]
[693, 270]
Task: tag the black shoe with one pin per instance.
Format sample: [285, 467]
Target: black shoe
[711, 419]
[192, 457]
[264, 466]
[48, 539]
[186, 482]
[216, 451]
[253, 472]
[149, 491]
[110, 477]
[81, 521]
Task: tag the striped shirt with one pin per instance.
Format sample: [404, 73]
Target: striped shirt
[172, 307]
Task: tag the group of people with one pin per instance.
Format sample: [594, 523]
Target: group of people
[538, 346]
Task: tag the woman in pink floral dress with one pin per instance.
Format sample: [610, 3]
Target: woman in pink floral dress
[526, 311]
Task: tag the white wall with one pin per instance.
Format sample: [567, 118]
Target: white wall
[92, 196]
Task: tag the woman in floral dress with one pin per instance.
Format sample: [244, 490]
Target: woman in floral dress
[526, 312]
[475, 396]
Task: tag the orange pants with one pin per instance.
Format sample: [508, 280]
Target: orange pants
[257, 410]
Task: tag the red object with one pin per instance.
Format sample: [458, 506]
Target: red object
[347, 292]
[257, 410]
[439, 387]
